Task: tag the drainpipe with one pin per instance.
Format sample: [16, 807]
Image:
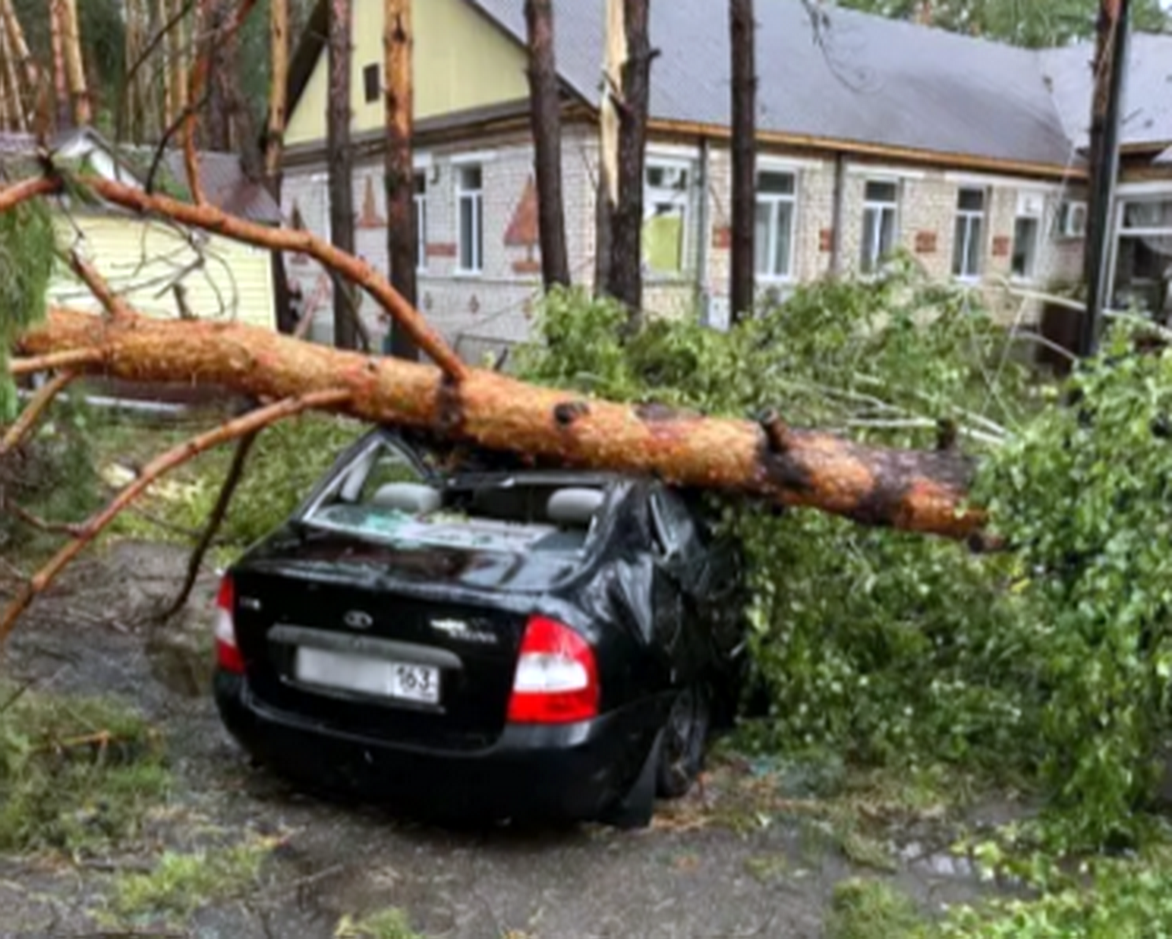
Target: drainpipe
[839, 214]
[704, 236]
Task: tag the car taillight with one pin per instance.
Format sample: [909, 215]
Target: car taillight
[557, 678]
[227, 654]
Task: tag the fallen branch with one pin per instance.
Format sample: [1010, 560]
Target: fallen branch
[26, 189]
[250, 423]
[351, 268]
[227, 490]
[52, 361]
[33, 410]
[35, 521]
[916, 491]
[113, 304]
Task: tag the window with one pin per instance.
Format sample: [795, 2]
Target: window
[1027, 227]
[420, 206]
[1143, 266]
[880, 201]
[371, 83]
[1071, 220]
[665, 216]
[776, 195]
[470, 198]
[968, 247]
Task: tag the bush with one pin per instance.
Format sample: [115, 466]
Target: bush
[889, 648]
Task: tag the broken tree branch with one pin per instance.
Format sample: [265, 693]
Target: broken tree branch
[113, 304]
[227, 490]
[917, 491]
[33, 410]
[55, 360]
[351, 268]
[249, 423]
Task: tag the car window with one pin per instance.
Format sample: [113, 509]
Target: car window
[672, 524]
[389, 466]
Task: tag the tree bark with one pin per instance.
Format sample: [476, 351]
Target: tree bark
[399, 171]
[60, 77]
[546, 120]
[742, 31]
[340, 156]
[275, 149]
[608, 145]
[278, 92]
[75, 65]
[626, 265]
[217, 124]
[909, 490]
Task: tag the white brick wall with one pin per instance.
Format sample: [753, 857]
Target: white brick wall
[480, 312]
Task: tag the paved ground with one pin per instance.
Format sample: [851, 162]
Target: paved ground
[703, 870]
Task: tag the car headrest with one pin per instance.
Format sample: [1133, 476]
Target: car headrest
[412, 498]
[574, 507]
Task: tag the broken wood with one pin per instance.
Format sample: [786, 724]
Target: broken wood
[33, 410]
[249, 423]
[914, 491]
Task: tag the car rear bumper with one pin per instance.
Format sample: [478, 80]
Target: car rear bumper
[574, 771]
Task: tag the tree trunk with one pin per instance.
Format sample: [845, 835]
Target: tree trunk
[217, 129]
[75, 65]
[275, 149]
[399, 174]
[60, 79]
[178, 40]
[608, 145]
[915, 491]
[742, 30]
[13, 56]
[626, 265]
[278, 93]
[340, 157]
[546, 119]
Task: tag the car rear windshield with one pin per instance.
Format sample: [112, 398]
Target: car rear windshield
[382, 496]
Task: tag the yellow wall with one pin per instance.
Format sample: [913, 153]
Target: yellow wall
[235, 281]
[462, 61]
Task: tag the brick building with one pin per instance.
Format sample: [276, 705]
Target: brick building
[874, 135]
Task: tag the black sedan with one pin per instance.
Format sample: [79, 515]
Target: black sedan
[466, 636]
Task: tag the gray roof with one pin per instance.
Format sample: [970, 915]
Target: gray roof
[1147, 93]
[867, 79]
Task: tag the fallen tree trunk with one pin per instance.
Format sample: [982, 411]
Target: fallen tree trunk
[914, 491]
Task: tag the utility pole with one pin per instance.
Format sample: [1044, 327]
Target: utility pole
[742, 31]
[340, 155]
[1111, 52]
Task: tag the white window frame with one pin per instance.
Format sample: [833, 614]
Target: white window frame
[419, 200]
[476, 197]
[1134, 192]
[774, 200]
[1065, 214]
[874, 256]
[677, 198]
[969, 215]
[1030, 204]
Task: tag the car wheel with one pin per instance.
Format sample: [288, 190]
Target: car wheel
[685, 736]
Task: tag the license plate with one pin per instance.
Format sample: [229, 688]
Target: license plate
[402, 680]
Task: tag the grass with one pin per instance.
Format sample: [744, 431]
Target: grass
[77, 775]
[864, 908]
[181, 884]
[391, 923]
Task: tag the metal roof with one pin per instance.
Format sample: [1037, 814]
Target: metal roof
[849, 76]
[1147, 110]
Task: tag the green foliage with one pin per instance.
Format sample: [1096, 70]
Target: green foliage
[1082, 494]
[888, 648]
[27, 244]
[385, 924]
[76, 774]
[867, 909]
[1037, 23]
[181, 884]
